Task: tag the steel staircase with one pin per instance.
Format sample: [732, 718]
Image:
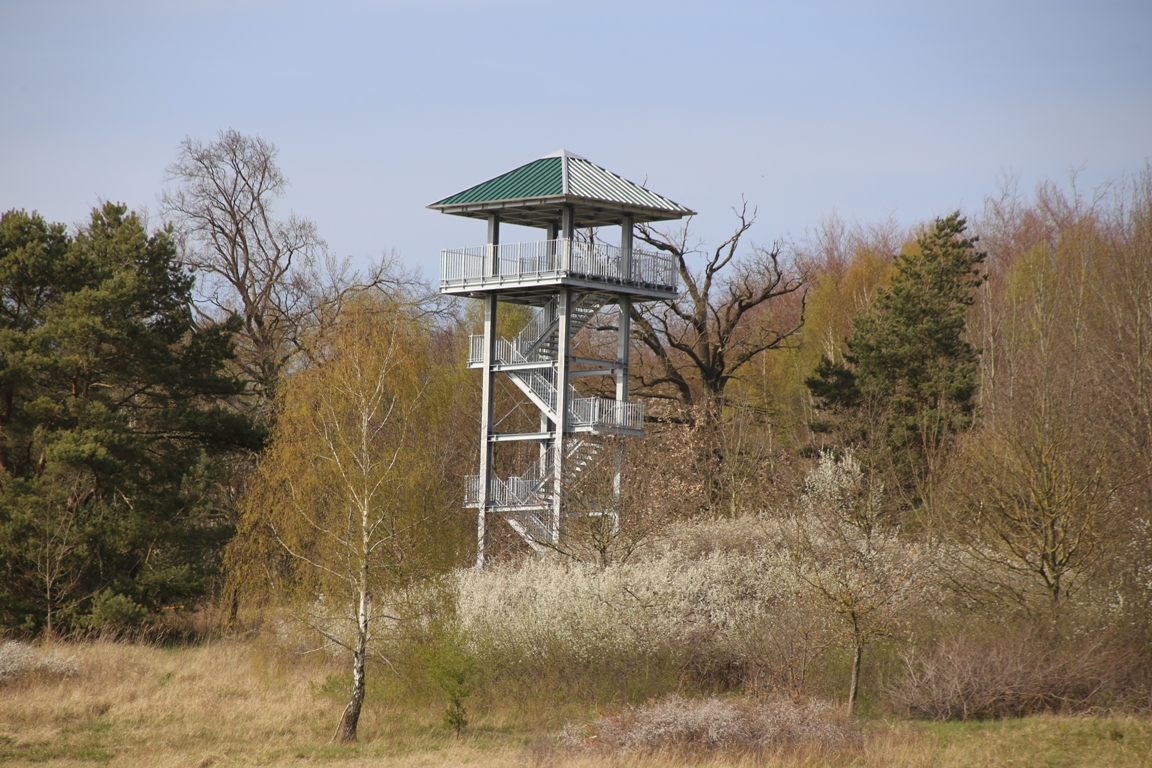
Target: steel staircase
[527, 500]
[530, 515]
[537, 343]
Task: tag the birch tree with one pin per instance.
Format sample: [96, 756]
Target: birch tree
[338, 519]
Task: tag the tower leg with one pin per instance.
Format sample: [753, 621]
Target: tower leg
[624, 326]
[563, 353]
[486, 413]
[623, 337]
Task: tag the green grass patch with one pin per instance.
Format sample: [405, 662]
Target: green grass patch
[1045, 741]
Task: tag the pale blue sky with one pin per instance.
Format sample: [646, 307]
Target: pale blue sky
[871, 109]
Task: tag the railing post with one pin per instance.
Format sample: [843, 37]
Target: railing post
[493, 254]
[568, 230]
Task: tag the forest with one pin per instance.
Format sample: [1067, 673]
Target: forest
[886, 472]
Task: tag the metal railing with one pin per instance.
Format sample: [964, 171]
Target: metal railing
[582, 411]
[532, 344]
[512, 262]
[601, 412]
[534, 488]
[531, 489]
[531, 336]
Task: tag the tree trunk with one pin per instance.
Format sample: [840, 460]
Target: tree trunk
[707, 422]
[351, 719]
[854, 683]
[233, 611]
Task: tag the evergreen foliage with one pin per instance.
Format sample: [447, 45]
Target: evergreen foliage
[112, 422]
[909, 377]
[909, 349]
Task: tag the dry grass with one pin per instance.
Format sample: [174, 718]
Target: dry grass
[229, 704]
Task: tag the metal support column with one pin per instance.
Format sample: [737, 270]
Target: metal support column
[487, 397]
[623, 336]
[486, 414]
[563, 357]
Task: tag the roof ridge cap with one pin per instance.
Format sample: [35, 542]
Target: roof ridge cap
[564, 153]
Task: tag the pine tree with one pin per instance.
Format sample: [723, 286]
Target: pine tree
[909, 378]
[110, 417]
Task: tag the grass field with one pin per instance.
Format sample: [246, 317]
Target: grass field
[230, 704]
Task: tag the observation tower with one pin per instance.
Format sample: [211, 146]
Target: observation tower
[564, 281]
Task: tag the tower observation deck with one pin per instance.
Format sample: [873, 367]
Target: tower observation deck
[563, 282]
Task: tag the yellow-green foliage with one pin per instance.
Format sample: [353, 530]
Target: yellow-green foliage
[843, 281]
[354, 470]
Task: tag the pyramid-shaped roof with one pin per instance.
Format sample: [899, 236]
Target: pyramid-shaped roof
[534, 195]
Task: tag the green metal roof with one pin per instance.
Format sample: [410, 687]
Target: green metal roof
[534, 193]
[539, 178]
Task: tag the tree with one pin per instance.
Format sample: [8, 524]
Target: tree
[273, 273]
[856, 565]
[730, 312]
[340, 515]
[702, 340]
[111, 420]
[910, 375]
[1042, 487]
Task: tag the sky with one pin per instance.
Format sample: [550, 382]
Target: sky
[869, 110]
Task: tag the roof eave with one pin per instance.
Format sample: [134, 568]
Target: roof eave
[493, 206]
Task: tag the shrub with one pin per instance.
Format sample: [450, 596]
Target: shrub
[453, 669]
[717, 606]
[16, 659]
[114, 613]
[1014, 674]
[711, 725]
[19, 659]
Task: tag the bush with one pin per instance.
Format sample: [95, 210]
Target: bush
[1015, 674]
[19, 659]
[16, 659]
[711, 725]
[114, 614]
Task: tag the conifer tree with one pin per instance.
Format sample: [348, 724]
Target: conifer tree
[110, 422]
[909, 378]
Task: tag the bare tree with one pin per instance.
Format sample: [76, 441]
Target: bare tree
[1121, 287]
[729, 312]
[1038, 486]
[275, 274]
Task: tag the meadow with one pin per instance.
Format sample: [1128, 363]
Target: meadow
[231, 703]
